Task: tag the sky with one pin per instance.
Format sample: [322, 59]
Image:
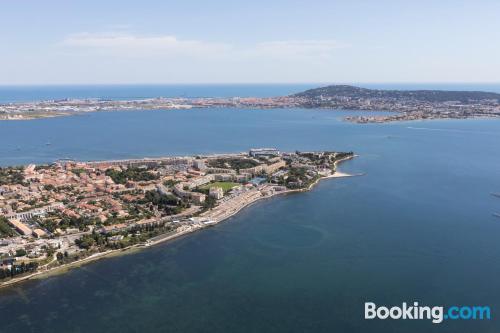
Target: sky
[230, 41]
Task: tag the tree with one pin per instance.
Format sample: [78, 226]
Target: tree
[50, 251]
[5, 228]
[85, 242]
[209, 203]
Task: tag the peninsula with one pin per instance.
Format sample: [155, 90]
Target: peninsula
[404, 104]
[68, 212]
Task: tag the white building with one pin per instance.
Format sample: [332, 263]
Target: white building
[199, 164]
[258, 152]
[200, 181]
[216, 192]
[42, 211]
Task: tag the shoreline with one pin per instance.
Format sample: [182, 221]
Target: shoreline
[374, 118]
[167, 237]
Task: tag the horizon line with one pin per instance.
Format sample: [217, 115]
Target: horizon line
[244, 83]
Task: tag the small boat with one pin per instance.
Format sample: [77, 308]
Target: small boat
[495, 194]
[496, 215]
[48, 143]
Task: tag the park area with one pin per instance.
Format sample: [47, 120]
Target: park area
[226, 186]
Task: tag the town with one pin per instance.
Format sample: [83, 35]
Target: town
[65, 107]
[402, 105]
[69, 211]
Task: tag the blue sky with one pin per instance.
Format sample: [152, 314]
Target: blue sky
[79, 42]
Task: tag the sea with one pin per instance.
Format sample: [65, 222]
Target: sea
[417, 226]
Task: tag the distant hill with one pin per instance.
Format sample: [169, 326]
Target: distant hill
[416, 95]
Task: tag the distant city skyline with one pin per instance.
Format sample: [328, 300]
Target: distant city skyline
[171, 42]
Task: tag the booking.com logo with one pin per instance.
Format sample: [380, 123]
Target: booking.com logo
[435, 313]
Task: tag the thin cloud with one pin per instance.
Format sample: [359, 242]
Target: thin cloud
[126, 44]
[167, 45]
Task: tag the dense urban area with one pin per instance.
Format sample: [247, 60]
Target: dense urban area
[69, 211]
[403, 104]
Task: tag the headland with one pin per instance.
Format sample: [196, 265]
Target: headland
[62, 215]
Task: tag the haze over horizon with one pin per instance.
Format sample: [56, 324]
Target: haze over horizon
[167, 42]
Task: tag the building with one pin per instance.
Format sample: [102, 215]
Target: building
[264, 168]
[38, 233]
[4, 190]
[25, 216]
[180, 191]
[242, 177]
[162, 189]
[224, 177]
[216, 193]
[264, 152]
[274, 167]
[199, 164]
[220, 170]
[22, 228]
[7, 263]
[198, 198]
[114, 227]
[200, 181]
[115, 239]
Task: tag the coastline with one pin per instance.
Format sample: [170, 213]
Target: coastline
[167, 237]
[375, 118]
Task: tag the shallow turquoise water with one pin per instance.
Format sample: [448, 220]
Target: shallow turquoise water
[417, 227]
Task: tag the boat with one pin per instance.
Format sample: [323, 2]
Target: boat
[495, 194]
[496, 215]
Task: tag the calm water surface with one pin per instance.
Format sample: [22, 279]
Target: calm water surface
[417, 227]
[13, 94]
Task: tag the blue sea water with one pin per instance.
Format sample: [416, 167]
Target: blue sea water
[418, 226]
[13, 94]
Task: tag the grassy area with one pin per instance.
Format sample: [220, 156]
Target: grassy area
[226, 186]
